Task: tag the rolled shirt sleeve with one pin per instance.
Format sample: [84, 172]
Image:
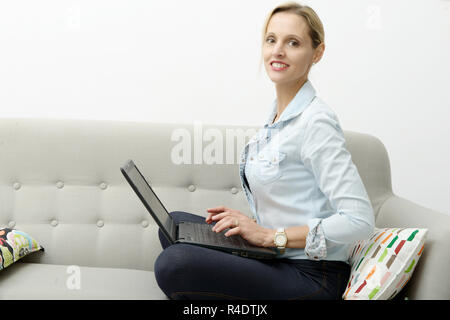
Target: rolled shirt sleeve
[324, 153]
[316, 246]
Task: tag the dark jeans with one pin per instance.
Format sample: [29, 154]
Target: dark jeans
[186, 271]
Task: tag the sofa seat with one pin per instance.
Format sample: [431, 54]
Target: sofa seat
[48, 281]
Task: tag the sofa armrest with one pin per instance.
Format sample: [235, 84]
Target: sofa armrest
[431, 278]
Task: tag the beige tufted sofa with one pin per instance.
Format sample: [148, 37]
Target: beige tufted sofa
[60, 182]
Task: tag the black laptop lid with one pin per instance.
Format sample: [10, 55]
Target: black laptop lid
[149, 199]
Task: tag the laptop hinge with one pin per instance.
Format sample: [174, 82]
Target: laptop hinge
[176, 231]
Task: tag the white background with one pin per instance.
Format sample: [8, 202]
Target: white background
[385, 71]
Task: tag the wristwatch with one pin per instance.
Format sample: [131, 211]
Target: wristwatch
[280, 240]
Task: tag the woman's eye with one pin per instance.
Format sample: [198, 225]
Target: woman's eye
[294, 43]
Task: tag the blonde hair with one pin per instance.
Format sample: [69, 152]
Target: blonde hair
[316, 31]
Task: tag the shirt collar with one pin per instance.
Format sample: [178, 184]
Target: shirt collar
[301, 100]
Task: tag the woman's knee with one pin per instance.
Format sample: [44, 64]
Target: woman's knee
[172, 265]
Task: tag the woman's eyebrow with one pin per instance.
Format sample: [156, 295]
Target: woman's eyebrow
[289, 35]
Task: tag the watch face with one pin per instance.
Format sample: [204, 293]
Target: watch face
[280, 240]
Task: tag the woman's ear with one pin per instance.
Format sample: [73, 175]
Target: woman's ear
[318, 52]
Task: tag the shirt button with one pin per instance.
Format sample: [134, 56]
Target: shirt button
[54, 223]
[12, 224]
[191, 188]
[144, 224]
[60, 184]
[251, 158]
[234, 190]
[103, 186]
[100, 223]
[17, 185]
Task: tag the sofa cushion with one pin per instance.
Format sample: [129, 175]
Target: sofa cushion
[383, 264]
[62, 282]
[14, 245]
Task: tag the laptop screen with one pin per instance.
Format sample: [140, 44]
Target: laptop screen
[149, 199]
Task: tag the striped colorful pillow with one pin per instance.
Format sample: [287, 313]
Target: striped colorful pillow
[383, 264]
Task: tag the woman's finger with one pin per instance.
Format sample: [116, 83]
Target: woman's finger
[218, 226]
[214, 211]
[228, 222]
[209, 218]
[233, 232]
[220, 216]
[217, 209]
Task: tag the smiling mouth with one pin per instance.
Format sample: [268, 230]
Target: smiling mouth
[279, 66]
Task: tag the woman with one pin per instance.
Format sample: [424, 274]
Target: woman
[304, 191]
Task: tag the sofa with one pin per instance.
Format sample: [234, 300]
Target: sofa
[60, 182]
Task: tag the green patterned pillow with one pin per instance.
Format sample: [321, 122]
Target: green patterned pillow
[14, 245]
[382, 265]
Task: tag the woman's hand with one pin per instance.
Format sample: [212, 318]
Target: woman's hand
[239, 223]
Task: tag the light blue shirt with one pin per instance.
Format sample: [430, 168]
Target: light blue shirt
[297, 171]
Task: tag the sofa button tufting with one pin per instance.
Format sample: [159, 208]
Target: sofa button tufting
[60, 184]
[144, 224]
[191, 188]
[103, 185]
[234, 190]
[54, 223]
[17, 185]
[12, 224]
[100, 223]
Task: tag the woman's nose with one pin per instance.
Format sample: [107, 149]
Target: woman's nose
[278, 51]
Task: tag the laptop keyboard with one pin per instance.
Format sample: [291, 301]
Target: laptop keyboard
[204, 234]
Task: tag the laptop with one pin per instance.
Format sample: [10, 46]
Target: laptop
[189, 232]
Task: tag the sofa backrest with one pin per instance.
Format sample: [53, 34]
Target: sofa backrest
[60, 182]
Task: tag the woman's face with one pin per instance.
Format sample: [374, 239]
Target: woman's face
[287, 40]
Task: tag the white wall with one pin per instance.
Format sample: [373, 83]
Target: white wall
[386, 70]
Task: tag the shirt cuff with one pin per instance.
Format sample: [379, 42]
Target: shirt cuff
[316, 246]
